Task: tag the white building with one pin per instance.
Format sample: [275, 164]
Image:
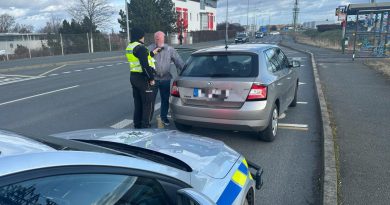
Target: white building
[314, 24]
[10, 41]
[196, 15]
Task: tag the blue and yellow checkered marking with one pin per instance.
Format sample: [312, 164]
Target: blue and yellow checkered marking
[235, 185]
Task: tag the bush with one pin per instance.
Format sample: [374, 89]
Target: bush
[21, 51]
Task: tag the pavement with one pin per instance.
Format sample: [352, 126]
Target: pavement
[358, 100]
[87, 95]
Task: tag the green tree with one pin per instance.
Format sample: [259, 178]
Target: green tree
[168, 15]
[151, 15]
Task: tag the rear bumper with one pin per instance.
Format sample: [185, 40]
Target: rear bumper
[252, 116]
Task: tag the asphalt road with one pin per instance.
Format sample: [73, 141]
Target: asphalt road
[98, 95]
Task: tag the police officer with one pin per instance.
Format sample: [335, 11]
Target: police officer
[142, 72]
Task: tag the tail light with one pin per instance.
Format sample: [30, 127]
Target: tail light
[258, 92]
[175, 90]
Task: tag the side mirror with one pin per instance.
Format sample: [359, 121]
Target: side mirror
[190, 196]
[295, 64]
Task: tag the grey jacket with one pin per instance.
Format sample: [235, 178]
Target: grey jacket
[164, 60]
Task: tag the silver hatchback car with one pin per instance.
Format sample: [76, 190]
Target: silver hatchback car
[242, 87]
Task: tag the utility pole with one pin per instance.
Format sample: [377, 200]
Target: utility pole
[247, 16]
[127, 22]
[295, 15]
[227, 24]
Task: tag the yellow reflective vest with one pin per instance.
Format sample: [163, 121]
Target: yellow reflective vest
[135, 65]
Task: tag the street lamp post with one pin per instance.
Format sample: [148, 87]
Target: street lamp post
[127, 22]
[247, 16]
[227, 25]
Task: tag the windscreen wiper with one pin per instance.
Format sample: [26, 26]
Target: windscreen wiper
[144, 153]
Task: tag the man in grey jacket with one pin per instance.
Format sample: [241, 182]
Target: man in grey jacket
[163, 76]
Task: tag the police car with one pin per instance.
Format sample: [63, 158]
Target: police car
[105, 166]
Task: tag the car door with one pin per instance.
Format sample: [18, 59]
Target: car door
[88, 185]
[276, 68]
[291, 79]
[287, 79]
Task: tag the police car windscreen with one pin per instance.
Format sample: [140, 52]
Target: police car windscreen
[222, 65]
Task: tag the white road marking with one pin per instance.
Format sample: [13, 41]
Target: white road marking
[89, 68]
[108, 65]
[301, 83]
[52, 70]
[21, 80]
[102, 66]
[67, 72]
[293, 126]
[33, 96]
[127, 122]
[77, 70]
[119, 63]
[303, 103]
[122, 124]
[54, 74]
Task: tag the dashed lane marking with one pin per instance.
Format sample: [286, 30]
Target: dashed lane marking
[127, 122]
[122, 124]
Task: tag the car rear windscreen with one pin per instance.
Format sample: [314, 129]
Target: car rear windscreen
[222, 65]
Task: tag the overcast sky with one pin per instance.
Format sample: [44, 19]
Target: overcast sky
[37, 12]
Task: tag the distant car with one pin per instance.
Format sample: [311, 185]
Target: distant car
[149, 167]
[259, 35]
[243, 87]
[241, 38]
[275, 33]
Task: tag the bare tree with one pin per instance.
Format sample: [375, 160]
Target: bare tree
[23, 28]
[97, 11]
[52, 26]
[6, 23]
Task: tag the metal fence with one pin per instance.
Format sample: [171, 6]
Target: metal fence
[17, 46]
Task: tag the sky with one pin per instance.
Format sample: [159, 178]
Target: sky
[38, 12]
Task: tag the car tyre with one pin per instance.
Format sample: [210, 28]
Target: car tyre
[269, 134]
[182, 127]
[294, 102]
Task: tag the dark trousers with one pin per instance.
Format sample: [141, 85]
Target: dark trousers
[164, 86]
[143, 94]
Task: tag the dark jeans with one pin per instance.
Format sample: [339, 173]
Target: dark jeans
[165, 91]
[143, 95]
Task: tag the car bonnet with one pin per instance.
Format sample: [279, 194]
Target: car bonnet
[204, 155]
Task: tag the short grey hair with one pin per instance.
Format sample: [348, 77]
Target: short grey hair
[158, 33]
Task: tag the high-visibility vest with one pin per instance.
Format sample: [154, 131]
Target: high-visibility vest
[135, 65]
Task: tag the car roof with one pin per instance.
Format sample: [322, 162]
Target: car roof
[255, 48]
